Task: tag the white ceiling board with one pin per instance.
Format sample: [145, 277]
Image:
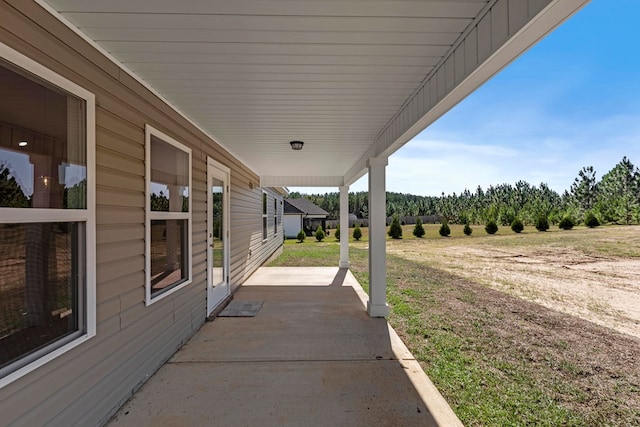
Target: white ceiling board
[225, 59]
[328, 70]
[187, 35]
[359, 8]
[92, 21]
[195, 75]
[326, 86]
[336, 74]
[219, 48]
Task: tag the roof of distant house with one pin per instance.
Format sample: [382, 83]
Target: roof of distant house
[302, 206]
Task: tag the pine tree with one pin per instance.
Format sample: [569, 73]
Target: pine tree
[619, 193]
[542, 223]
[590, 220]
[395, 230]
[418, 230]
[319, 234]
[491, 227]
[517, 226]
[584, 188]
[357, 234]
[566, 223]
[444, 231]
[301, 236]
[467, 230]
[336, 234]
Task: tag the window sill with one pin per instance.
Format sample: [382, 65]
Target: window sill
[151, 300]
[14, 376]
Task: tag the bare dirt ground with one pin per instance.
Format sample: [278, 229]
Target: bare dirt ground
[590, 273]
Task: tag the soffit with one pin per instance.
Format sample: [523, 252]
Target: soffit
[255, 74]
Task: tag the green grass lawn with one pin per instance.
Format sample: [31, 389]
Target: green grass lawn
[499, 360]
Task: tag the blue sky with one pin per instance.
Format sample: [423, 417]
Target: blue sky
[572, 100]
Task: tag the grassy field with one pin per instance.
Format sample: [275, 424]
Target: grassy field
[499, 359]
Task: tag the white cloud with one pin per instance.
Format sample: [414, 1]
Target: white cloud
[442, 147]
[553, 155]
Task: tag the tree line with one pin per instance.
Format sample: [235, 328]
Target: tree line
[615, 198]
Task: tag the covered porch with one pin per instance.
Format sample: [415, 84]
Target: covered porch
[348, 83]
[311, 356]
[354, 81]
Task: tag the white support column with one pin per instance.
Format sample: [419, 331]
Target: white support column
[344, 226]
[377, 305]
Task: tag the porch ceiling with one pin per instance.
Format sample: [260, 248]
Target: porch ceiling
[353, 79]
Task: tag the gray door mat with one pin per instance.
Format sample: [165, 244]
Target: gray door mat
[241, 309]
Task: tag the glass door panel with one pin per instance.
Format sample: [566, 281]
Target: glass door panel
[217, 237]
[217, 234]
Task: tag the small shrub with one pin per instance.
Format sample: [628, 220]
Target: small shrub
[319, 234]
[357, 234]
[301, 236]
[491, 227]
[418, 230]
[336, 233]
[395, 231]
[542, 223]
[467, 230]
[566, 223]
[508, 217]
[444, 229]
[590, 220]
[517, 226]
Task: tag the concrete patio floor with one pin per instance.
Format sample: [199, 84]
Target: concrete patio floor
[311, 357]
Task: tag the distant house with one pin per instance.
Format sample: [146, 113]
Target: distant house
[302, 214]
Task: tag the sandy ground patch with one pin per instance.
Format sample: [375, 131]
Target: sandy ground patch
[593, 279]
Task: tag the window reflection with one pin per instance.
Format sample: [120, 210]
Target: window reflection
[168, 254]
[169, 177]
[42, 144]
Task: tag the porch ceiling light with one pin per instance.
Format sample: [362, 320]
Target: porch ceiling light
[296, 145]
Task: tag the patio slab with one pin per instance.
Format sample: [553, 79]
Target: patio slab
[311, 356]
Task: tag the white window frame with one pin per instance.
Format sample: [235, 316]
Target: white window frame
[275, 216]
[86, 216]
[151, 215]
[264, 206]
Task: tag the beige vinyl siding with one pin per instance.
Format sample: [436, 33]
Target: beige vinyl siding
[87, 384]
[246, 212]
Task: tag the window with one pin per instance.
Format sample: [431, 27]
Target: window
[168, 227]
[264, 216]
[275, 216]
[47, 211]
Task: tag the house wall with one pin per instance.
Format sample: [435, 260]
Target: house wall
[87, 384]
[292, 225]
[251, 242]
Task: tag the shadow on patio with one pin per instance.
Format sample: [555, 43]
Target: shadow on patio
[311, 356]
